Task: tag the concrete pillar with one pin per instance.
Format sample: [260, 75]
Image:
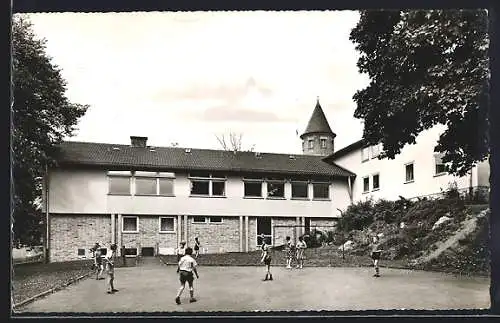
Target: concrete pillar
[179, 230]
[113, 229]
[246, 234]
[186, 229]
[310, 191]
[241, 234]
[303, 228]
[119, 231]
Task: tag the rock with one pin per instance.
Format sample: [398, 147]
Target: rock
[348, 245]
[441, 220]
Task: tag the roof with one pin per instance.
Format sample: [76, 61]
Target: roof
[344, 151]
[175, 158]
[318, 122]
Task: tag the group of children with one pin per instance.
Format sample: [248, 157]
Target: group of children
[105, 263]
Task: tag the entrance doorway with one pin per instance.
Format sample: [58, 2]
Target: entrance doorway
[264, 227]
[148, 252]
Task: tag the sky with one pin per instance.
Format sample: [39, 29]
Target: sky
[185, 77]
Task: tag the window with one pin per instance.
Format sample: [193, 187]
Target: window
[275, 189]
[375, 150]
[131, 252]
[409, 173]
[199, 219]
[322, 142]
[167, 224]
[130, 224]
[119, 185]
[252, 188]
[366, 184]
[215, 219]
[300, 190]
[145, 186]
[321, 190]
[440, 166]
[310, 143]
[365, 154]
[376, 182]
[207, 184]
[166, 186]
[81, 252]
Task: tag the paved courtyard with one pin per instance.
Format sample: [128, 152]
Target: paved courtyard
[152, 288]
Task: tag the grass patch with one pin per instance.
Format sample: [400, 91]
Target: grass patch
[31, 279]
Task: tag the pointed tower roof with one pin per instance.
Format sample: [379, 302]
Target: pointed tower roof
[318, 122]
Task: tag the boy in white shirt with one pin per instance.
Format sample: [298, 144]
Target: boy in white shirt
[110, 269]
[187, 265]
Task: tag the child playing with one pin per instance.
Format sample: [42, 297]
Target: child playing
[376, 255]
[181, 250]
[290, 252]
[110, 269]
[98, 261]
[301, 246]
[196, 247]
[187, 265]
[266, 258]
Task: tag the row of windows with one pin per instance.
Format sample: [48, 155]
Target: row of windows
[440, 168]
[213, 185]
[130, 224]
[322, 143]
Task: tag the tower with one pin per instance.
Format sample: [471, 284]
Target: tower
[318, 138]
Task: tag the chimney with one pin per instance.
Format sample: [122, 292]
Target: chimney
[138, 141]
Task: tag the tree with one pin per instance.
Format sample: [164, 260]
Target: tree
[234, 142]
[41, 117]
[427, 67]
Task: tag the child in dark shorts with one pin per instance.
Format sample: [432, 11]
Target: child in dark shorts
[266, 258]
[196, 247]
[187, 265]
[375, 255]
[110, 270]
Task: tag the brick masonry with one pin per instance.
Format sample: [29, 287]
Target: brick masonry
[68, 233]
[216, 237]
[280, 233]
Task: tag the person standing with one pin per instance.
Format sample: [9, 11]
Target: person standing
[301, 247]
[376, 251]
[186, 267]
[110, 269]
[290, 252]
[266, 258]
[197, 246]
[180, 251]
[98, 261]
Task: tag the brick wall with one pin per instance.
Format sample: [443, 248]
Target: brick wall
[148, 235]
[281, 233]
[323, 224]
[252, 233]
[216, 237]
[68, 233]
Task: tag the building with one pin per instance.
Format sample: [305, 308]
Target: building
[148, 199]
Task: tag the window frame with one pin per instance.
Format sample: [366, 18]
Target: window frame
[142, 178]
[328, 184]
[310, 143]
[367, 185]
[253, 181]
[205, 220]
[215, 216]
[323, 143]
[167, 217]
[413, 172]
[131, 256]
[363, 157]
[78, 252]
[372, 153]
[275, 181]
[211, 179]
[440, 156]
[373, 182]
[120, 174]
[136, 223]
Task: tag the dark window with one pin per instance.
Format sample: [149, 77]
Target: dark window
[409, 172]
[253, 189]
[218, 188]
[323, 143]
[119, 185]
[199, 187]
[81, 252]
[276, 190]
[440, 166]
[376, 182]
[145, 186]
[130, 251]
[310, 143]
[321, 191]
[167, 225]
[215, 219]
[199, 219]
[299, 190]
[130, 224]
[366, 184]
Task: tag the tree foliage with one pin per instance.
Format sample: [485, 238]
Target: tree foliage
[427, 67]
[41, 117]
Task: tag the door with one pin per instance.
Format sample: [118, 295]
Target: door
[148, 252]
[264, 227]
[307, 225]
